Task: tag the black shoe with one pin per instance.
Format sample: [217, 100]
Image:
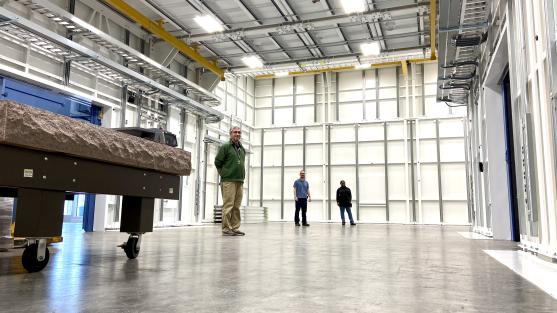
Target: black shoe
[229, 233]
[297, 224]
[239, 232]
[306, 224]
[352, 224]
[343, 223]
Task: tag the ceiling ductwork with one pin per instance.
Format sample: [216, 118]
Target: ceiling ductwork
[462, 30]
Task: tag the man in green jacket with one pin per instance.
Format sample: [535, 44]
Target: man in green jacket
[230, 165]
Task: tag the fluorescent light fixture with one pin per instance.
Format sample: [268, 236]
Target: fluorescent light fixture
[362, 66]
[371, 48]
[281, 74]
[353, 6]
[209, 23]
[252, 61]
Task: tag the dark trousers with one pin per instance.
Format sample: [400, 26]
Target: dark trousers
[349, 211]
[301, 204]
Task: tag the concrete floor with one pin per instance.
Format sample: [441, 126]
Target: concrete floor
[274, 268]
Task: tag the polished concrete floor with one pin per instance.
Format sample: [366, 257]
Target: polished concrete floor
[274, 268]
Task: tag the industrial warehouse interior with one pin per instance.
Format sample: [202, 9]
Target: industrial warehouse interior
[278, 156]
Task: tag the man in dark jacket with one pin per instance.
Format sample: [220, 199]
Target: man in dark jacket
[344, 202]
[230, 165]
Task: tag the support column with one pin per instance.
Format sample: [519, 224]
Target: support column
[200, 130]
[183, 129]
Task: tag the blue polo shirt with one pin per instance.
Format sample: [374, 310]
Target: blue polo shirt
[302, 188]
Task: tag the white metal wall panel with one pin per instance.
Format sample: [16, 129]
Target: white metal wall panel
[283, 116]
[273, 137]
[293, 136]
[272, 156]
[314, 154]
[430, 212]
[283, 101]
[397, 182]
[452, 150]
[342, 133]
[372, 184]
[429, 183]
[371, 153]
[293, 155]
[387, 109]
[343, 153]
[271, 184]
[371, 132]
[255, 184]
[283, 86]
[454, 188]
[398, 212]
[262, 117]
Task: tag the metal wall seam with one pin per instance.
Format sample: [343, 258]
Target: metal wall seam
[439, 181]
[356, 134]
[272, 101]
[337, 117]
[385, 151]
[282, 176]
[420, 217]
[406, 180]
[412, 171]
[294, 91]
[329, 162]
[364, 113]
[397, 92]
[261, 169]
[377, 102]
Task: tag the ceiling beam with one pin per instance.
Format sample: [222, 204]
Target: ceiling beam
[315, 23]
[277, 7]
[202, 7]
[332, 57]
[335, 44]
[255, 19]
[159, 30]
[180, 27]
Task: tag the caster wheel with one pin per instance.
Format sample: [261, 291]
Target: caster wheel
[29, 259]
[131, 248]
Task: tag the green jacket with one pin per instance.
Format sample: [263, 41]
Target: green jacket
[230, 163]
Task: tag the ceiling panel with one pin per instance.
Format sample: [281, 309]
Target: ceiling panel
[259, 27]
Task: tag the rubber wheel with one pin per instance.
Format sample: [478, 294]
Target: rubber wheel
[29, 259]
[131, 248]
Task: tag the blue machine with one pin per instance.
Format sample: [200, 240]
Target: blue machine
[11, 89]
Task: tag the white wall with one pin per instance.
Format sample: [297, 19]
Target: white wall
[529, 33]
[367, 100]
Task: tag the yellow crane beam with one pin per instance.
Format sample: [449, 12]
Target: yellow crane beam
[157, 29]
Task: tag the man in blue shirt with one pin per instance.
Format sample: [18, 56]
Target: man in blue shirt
[301, 196]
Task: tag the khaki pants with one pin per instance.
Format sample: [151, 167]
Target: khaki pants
[232, 193]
